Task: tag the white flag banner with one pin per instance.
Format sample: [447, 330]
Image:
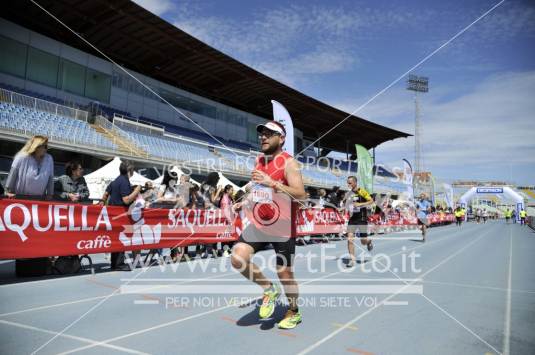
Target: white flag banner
[448, 190]
[280, 114]
[407, 178]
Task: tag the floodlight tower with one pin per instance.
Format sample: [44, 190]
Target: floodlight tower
[417, 84]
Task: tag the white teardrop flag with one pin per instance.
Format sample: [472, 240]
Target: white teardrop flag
[280, 114]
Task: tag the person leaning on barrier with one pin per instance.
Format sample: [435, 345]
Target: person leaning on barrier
[210, 192]
[32, 171]
[72, 186]
[120, 193]
[196, 198]
[149, 194]
[32, 176]
[169, 196]
[226, 201]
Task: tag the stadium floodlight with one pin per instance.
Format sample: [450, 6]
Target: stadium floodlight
[417, 84]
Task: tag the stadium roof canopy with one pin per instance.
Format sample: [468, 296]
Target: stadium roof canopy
[142, 41]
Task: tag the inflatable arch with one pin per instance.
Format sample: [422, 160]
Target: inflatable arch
[498, 191]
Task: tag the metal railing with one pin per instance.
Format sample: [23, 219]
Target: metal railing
[138, 125]
[15, 98]
[142, 149]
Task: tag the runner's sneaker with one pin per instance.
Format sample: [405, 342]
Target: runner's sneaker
[350, 264]
[291, 320]
[268, 302]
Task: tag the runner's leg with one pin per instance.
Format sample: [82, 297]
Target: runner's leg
[242, 254]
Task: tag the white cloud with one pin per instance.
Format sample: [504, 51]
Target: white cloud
[157, 7]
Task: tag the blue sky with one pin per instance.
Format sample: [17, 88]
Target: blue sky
[478, 119]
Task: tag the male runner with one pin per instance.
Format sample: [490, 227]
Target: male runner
[507, 215]
[485, 215]
[458, 216]
[280, 172]
[356, 201]
[423, 207]
[523, 215]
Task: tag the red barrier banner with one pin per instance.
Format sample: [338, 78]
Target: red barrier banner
[31, 229]
[319, 221]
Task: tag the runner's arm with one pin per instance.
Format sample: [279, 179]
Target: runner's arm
[295, 187]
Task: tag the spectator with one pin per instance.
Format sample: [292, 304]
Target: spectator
[181, 253]
[169, 193]
[322, 199]
[210, 193]
[120, 193]
[32, 170]
[225, 204]
[184, 188]
[332, 197]
[170, 196]
[149, 195]
[239, 196]
[196, 198]
[308, 203]
[72, 186]
[340, 194]
[196, 202]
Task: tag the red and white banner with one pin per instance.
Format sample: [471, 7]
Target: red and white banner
[319, 221]
[34, 229]
[30, 229]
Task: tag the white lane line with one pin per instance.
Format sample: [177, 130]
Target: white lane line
[354, 320]
[96, 298]
[151, 302]
[477, 287]
[60, 278]
[507, 330]
[84, 340]
[225, 307]
[53, 305]
[396, 303]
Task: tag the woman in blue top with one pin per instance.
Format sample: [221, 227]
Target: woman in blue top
[32, 170]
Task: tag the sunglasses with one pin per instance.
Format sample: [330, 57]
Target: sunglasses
[267, 134]
[43, 146]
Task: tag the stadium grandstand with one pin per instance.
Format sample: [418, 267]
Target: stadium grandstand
[54, 84]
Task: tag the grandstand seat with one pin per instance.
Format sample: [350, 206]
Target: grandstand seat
[54, 126]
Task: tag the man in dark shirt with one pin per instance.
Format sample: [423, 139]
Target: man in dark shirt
[72, 186]
[120, 193]
[332, 198]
